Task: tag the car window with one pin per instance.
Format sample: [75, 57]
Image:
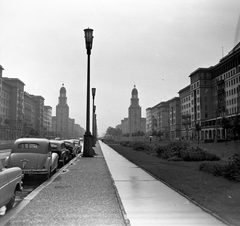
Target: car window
[28, 146]
[53, 146]
[68, 144]
[1, 166]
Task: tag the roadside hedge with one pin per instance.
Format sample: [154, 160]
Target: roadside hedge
[174, 151]
[181, 151]
[231, 170]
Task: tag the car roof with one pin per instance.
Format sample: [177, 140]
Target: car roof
[69, 141]
[42, 142]
[30, 139]
[56, 141]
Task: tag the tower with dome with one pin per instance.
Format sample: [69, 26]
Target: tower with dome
[135, 121]
[62, 114]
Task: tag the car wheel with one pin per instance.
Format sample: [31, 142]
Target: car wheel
[63, 161]
[10, 204]
[49, 174]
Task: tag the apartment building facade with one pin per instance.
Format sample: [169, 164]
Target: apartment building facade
[157, 119]
[12, 106]
[124, 126]
[47, 121]
[30, 114]
[223, 95]
[185, 117]
[24, 114]
[174, 118]
[213, 94]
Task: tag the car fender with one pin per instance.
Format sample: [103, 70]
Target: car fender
[55, 158]
[15, 176]
[48, 163]
[6, 162]
[63, 155]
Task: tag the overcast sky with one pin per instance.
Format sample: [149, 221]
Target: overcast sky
[153, 44]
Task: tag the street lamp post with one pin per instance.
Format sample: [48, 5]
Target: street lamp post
[95, 125]
[93, 113]
[87, 149]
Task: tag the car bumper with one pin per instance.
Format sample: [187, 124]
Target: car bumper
[34, 171]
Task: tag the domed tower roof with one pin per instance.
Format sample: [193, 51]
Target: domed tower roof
[63, 90]
[134, 91]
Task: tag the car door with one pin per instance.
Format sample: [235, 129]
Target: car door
[4, 191]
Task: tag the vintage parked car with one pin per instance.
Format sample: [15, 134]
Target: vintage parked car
[10, 184]
[58, 146]
[33, 156]
[77, 145]
[71, 147]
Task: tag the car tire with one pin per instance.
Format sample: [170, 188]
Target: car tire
[10, 204]
[48, 175]
[64, 161]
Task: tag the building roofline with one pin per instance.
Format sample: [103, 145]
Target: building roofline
[47, 106]
[201, 69]
[185, 88]
[174, 98]
[13, 79]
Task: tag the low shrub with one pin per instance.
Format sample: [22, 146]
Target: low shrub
[212, 167]
[171, 150]
[182, 151]
[141, 146]
[197, 154]
[231, 170]
[126, 143]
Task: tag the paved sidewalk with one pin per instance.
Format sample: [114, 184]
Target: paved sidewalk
[147, 201]
[82, 195]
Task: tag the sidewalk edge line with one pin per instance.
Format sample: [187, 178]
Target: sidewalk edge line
[124, 214]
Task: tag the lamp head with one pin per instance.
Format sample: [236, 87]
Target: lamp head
[93, 92]
[88, 39]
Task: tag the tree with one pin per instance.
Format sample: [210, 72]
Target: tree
[198, 128]
[157, 134]
[186, 122]
[226, 124]
[236, 127]
[115, 132]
